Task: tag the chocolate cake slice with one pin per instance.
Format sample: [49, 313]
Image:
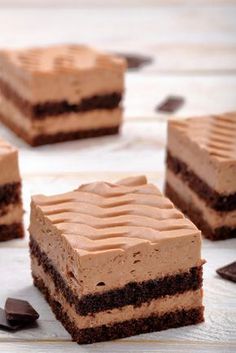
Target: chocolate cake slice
[115, 260]
[60, 93]
[201, 172]
[10, 193]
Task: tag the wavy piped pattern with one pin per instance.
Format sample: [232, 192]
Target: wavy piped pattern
[61, 58]
[102, 216]
[215, 134]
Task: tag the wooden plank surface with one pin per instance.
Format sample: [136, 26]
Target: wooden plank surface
[193, 44]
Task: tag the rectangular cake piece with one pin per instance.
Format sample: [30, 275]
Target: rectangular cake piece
[115, 260]
[10, 193]
[201, 172]
[60, 93]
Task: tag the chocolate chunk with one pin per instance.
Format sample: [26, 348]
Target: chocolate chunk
[228, 272]
[135, 61]
[9, 325]
[20, 310]
[170, 105]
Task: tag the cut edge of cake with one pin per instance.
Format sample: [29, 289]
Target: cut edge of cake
[201, 169]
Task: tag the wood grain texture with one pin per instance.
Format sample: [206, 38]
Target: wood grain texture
[194, 47]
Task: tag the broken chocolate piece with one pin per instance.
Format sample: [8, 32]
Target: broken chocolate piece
[228, 272]
[135, 61]
[170, 105]
[20, 310]
[6, 324]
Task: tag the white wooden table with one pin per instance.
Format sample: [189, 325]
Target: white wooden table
[194, 47]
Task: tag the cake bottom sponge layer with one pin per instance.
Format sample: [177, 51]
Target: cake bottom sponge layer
[159, 314]
[11, 231]
[69, 136]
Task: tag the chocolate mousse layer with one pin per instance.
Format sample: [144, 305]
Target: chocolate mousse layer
[213, 199]
[54, 108]
[133, 293]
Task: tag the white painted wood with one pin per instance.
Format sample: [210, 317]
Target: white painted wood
[194, 46]
[181, 39]
[117, 347]
[203, 94]
[108, 3]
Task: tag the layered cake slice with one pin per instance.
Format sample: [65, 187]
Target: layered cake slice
[115, 260]
[60, 93]
[10, 193]
[201, 172]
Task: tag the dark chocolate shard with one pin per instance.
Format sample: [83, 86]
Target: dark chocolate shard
[6, 324]
[135, 61]
[228, 272]
[171, 104]
[20, 310]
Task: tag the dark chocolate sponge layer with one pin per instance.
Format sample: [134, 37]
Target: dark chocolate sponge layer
[11, 231]
[213, 199]
[10, 193]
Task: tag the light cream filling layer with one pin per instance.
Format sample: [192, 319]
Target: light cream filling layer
[14, 214]
[9, 169]
[187, 300]
[94, 119]
[214, 218]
